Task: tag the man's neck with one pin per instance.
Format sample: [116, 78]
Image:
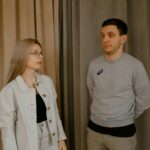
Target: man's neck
[114, 56]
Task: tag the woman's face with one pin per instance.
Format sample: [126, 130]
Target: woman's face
[34, 58]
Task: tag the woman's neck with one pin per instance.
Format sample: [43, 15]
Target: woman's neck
[29, 78]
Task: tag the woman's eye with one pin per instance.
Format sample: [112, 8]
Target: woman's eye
[35, 53]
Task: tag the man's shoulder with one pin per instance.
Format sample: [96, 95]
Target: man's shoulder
[94, 63]
[132, 59]
[97, 60]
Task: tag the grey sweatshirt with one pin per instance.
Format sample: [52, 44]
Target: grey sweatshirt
[120, 90]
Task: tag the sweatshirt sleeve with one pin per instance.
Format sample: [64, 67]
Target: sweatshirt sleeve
[90, 83]
[7, 120]
[142, 90]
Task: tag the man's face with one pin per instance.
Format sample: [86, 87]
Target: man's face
[112, 41]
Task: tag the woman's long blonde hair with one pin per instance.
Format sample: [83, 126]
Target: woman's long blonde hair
[18, 61]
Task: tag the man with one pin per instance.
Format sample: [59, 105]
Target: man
[119, 87]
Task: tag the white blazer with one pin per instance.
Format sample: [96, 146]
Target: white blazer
[18, 114]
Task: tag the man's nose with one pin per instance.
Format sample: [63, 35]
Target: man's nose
[105, 38]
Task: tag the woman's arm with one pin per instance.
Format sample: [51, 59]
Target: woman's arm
[7, 119]
[61, 133]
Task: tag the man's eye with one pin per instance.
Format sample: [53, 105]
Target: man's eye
[111, 35]
[102, 36]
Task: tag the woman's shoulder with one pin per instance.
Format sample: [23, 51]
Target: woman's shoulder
[9, 87]
[44, 78]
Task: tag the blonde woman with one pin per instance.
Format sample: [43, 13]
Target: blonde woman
[29, 118]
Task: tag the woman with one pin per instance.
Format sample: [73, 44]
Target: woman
[29, 118]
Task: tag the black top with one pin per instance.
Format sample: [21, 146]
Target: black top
[40, 109]
[125, 131]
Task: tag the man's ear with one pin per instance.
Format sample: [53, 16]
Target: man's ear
[123, 38]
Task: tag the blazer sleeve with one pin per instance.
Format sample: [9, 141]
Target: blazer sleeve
[61, 133]
[7, 120]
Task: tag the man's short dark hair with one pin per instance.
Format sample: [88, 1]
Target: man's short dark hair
[121, 25]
